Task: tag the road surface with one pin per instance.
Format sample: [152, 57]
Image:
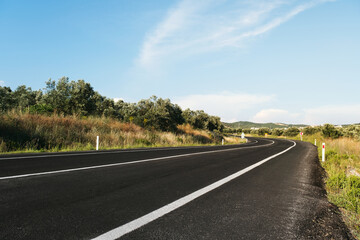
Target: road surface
[265, 189]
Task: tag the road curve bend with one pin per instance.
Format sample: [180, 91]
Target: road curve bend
[265, 189]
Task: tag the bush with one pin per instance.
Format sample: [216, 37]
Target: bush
[311, 130]
[291, 132]
[329, 131]
[352, 131]
[41, 109]
[277, 132]
[263, 131]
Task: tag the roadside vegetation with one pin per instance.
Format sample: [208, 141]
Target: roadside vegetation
[68, 115]
[342, 163]
[25, 132]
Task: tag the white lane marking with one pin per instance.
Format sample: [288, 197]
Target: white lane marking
[137, 223]
[124, 163]
[95, 153]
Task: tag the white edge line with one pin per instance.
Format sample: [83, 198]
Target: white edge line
[137, 223]
[123, 163]
[119, 151]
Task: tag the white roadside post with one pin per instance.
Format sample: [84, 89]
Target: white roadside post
[323, 152]
[315, 142]
[97, 143]
[301, 134]
[222, 142]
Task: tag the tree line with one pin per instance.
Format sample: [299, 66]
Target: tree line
[67, 97]
[326, 130]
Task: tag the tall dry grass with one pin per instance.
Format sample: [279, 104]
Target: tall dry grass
[29, 132]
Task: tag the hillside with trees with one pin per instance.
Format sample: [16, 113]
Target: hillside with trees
[248, 125]
[64, 97]
[69, 114]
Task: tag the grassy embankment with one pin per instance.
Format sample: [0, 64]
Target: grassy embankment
[342, 165]
[39, 133]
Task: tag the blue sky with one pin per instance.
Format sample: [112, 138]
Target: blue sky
[266, 61]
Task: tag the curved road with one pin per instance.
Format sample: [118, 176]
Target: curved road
[265, 189]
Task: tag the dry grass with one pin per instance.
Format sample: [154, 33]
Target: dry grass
[234, 140]
[28, 132]
[189, 130]
[347, 147]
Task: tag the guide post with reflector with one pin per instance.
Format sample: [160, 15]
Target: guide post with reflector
[323, 152]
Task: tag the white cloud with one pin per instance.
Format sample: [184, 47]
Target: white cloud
[334, 114]
[201, 26]
[271, 24]
[118, 99]
[229, 106]
[175, 20]
[2, 83]
[276, 116]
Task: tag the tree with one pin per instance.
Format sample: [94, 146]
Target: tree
[82, 98]
[57, 95]
[23, 97]
[6, 100]
[277, 132]
[159, 114]
[262, 131]
[330, 131]
[291, 132]
[311, 130]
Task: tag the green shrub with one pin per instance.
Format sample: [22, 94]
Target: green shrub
[291, 132]
[41, 109]
[311, 130]
[329, 131]
[263, 131]
[337, 181]
[277, 132]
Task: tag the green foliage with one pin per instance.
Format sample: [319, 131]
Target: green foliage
[41, 109]
[254, 131]
[233, 130]
[291, 132]
[247, 130]
[158, 113]
[6, 99]
[263, 131]
[329, 131]
[277, 132]
[78, 98]
[202, 120]
[23, 98]
[311, 130]
[352, 131]
[348, 189]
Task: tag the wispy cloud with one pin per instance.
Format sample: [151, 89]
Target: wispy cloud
[277, 116]
[335, 114]
[2, 83]
[229, 106]
[201, 26]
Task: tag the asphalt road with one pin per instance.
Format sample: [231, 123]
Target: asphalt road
[265, 189]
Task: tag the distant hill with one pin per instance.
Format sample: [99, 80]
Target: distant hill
[246, 124]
